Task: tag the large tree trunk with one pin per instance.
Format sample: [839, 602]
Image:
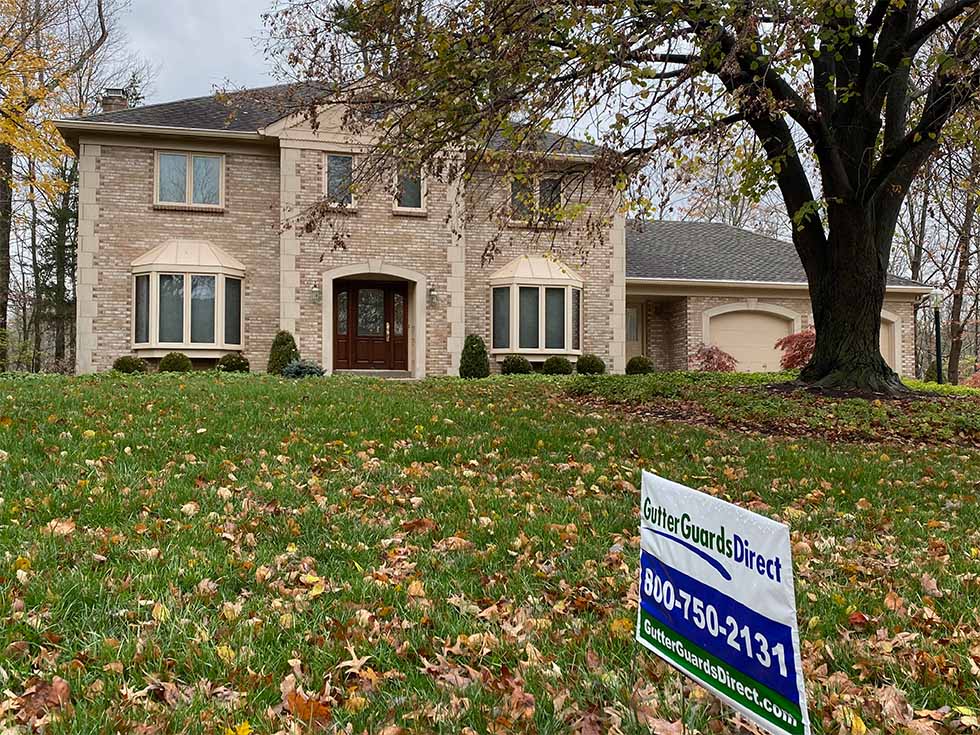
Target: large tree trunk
[847, 289]
[6, 210]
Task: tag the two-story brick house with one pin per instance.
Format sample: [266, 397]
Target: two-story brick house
[188, 241]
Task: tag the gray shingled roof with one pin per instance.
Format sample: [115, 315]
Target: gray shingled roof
[249, 110]
[705, 251]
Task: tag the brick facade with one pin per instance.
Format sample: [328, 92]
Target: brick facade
[289, 278]
[125, 224]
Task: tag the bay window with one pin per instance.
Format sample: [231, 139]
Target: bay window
[187, 296]
[536, 306]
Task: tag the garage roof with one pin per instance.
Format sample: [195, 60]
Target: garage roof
[707, 251]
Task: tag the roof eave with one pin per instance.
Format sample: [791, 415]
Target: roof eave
[730, 283]
[77, 127]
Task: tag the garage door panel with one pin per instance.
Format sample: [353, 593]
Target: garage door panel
[750, 337]
[886, 342]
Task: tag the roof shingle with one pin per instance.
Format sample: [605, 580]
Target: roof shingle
[252, 109]
[707, 251]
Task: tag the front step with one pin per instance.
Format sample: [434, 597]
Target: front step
[386, 374]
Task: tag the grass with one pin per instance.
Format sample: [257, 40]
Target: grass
[191, 553]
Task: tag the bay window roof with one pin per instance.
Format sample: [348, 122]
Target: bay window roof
[536, 269]
[199, 256]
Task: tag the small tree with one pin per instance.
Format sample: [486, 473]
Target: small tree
[282, 353]
[797, 349]
[713, 359]
[474, 362]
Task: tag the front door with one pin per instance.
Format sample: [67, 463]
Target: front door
[370, 326]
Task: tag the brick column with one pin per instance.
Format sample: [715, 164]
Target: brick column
[86, 341]
[288, 242]
[456, 282]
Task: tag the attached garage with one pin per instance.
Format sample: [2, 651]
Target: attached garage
[750, 337]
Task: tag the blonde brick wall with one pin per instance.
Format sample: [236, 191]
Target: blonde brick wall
[594, 257]
[374, 232]
[118, 223]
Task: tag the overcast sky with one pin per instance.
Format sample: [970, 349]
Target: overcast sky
[198, 44]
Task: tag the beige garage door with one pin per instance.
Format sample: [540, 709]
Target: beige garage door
[750, 337]
[887, 342]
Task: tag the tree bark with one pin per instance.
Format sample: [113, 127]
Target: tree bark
[956, 323]
[847, 290]
[6, 211]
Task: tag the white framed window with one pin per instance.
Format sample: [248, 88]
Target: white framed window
[536, 198]
[189, 179]
[187, 297]
[338, 184]
[410, 190]
[535, 308]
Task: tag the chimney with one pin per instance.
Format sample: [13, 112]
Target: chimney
[113, 99]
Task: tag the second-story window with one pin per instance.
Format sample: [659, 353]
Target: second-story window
[189, 179]
[340, 179]
[410, 193]
[535, 198]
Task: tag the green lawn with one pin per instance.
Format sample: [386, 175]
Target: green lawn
[188, 553]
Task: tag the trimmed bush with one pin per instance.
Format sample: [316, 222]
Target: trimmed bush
[557, 365]
[175, 362]
[474, 362]
[713, 359]
[590, 365]
[130, 364]
[302, 369]
[282, 353]
[639, 365]
[516, 365]
[233, 362]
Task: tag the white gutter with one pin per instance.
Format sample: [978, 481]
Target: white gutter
[91, 126]
[726, 283]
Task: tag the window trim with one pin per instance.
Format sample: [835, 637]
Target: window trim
[513, 336]
[188, 202]
[421, 211]
[340, 206]
[154, 345]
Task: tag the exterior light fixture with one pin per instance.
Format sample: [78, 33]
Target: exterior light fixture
[315, 293]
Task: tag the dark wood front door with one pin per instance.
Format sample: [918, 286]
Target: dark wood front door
[370, 325]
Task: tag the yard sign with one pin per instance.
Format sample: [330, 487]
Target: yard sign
[717, 602]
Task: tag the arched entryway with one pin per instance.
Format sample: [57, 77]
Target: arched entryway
[374, 318]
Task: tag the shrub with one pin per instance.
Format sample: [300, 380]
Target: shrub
[474, 362]
[282, 353]
[797, 349]
[713, 359]
[233, 362]
[175, 362]
[302, 369]
[973, 381]
[557, 365]
[590, 365]
[130, 364]
[639, 365]
[516, 365]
